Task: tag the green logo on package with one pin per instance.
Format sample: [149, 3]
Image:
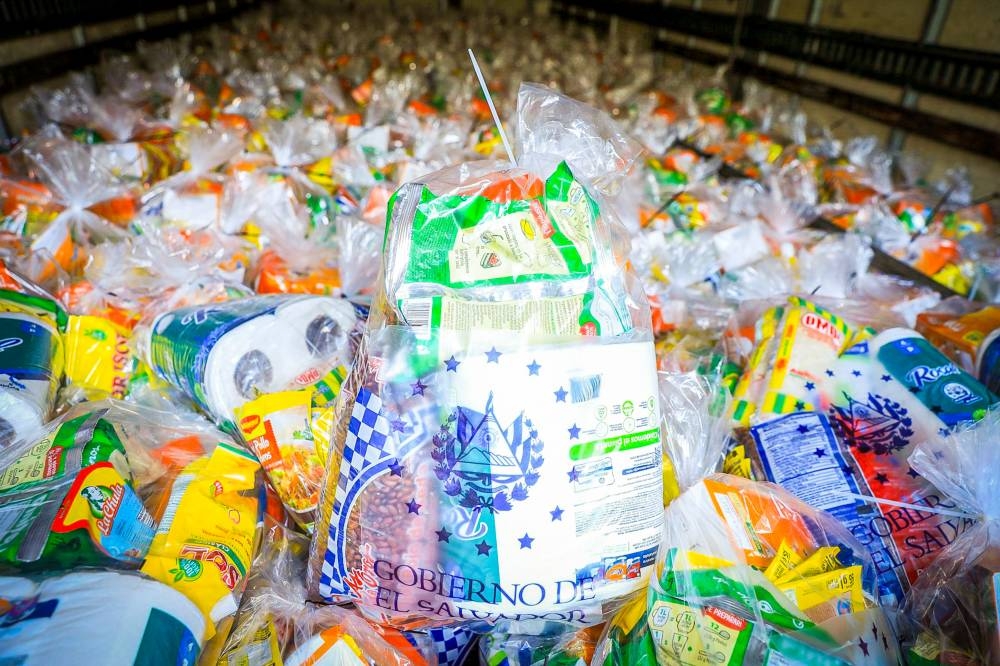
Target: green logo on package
[186, 570]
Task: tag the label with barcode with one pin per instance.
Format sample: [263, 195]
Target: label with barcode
[417, 314]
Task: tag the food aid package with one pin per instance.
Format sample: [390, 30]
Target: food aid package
[225, 354]
[113, 485]
[97, 617]
[746, 573]
[752, 575]
[627, 639]
[497, 450]
[953, 604]
[840, 412]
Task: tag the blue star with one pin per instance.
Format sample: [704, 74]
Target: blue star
[829, 373]
[533, 368]
[557, 514]
[418, 388]
[574, 432]
[561, 394]
[819, 453]
[803, 429]
[525, 541]
[882, 478]
[856, 373]
[799, 405]
[493, 356]
[451, 364]
[413, 507]
[939, 455]
[887, 378]
[574, 476]
[913, 473]
[395, 468]
[443, 535]
[810, 386]
[483, 548]
[399, 425]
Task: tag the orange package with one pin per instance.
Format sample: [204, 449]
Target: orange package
[959, 337]
[758, 518]
[275, 277]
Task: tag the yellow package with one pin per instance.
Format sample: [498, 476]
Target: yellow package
[98, 358]
[737, 463]
[694, 560]
[812, 591]
[810, 339]
[749, 387]
[208, 529]
[785, 560]
[822, 560]
[260, 648]
[278, 428]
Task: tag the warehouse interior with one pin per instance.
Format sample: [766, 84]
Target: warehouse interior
[518, 333]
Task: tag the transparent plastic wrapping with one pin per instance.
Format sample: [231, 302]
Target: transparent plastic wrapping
[224, 355]
[31, 323]
[831, 411]
[499, 433]
[952, 606]
[556, 647]
[276, 624]
[118, 486]
[748, 574]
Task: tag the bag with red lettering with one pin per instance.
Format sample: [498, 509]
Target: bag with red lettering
[953, 604]
[496, 454]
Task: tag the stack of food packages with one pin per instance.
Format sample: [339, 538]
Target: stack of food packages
[301, 365]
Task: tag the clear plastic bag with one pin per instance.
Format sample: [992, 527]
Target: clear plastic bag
[952, 606]
[749, 574]
[438, 468]
[114, 485]
[223, 355]
[276, 624]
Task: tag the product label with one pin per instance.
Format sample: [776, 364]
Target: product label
[277, 427]
[543, 499]
[935, 380]
[205, 540]
[691, 636]
[98, 356]
[460, 241]
[103, 503]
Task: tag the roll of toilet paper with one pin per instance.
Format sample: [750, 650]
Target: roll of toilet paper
[225, 354]
[30, 371]
[97, 617]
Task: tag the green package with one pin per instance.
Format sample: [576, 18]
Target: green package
[707, 616]
[69, 501]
